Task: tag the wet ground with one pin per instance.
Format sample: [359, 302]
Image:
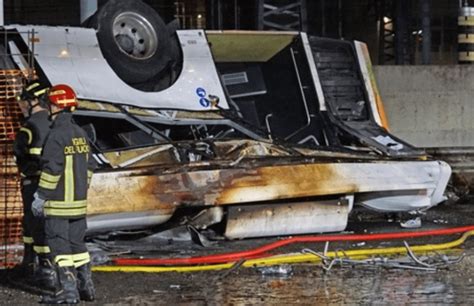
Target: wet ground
[307, 284]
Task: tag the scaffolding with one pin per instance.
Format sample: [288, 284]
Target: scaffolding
[386, 32]
[12, 81]
[11, 206]
[288, 15]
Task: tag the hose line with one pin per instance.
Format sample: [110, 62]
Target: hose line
[292, 258]
[260, 251]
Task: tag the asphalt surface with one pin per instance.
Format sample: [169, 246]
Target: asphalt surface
[290, 284]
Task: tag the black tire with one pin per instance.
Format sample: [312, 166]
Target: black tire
[133, 39]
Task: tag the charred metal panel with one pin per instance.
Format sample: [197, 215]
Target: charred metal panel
[120, 192]
[287, 219]
[253, 180]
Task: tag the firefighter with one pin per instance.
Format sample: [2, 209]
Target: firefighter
[27, 149]
[62, 198]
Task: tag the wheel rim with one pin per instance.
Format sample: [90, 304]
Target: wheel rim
[135, 36]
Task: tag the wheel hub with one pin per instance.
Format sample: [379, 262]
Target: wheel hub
[135, 35]
[125, 43]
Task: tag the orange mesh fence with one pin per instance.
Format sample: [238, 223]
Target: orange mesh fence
[11, 235]
[11, 206]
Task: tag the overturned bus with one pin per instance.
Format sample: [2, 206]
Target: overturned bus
[267, 133]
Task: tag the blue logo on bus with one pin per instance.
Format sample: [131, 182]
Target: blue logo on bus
[201, 92]
[204, 102]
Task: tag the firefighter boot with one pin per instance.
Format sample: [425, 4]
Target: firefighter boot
[84, 283]
[27, 266]
[67, 293]
[46, 275]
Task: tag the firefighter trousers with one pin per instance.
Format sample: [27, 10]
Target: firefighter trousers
[33, 228]
[65, 237]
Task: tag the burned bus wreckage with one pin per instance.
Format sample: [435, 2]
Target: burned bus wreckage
[268, 133]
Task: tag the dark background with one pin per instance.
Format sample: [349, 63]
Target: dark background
[347, 19]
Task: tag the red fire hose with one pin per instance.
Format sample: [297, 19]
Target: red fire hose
[260, 251]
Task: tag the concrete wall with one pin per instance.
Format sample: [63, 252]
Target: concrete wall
[429, 106]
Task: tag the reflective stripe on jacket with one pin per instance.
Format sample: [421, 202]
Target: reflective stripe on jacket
[29, 142]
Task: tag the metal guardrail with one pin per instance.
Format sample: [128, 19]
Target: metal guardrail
[461, 160]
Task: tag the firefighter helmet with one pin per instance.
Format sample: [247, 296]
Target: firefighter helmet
[33, 90]
[63, 96]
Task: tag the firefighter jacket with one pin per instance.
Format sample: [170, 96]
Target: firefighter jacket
[67, 166]
[29, 142]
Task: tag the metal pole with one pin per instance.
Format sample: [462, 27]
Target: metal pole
[339, 18]
[219, 15]
[236, 15]
[88, 7]
[303, 16]
[2, 17]
[381, 30]
[260, 17]
[213, 14]
[210, 12]
[401, 32]
[426, 31]
[323, 18]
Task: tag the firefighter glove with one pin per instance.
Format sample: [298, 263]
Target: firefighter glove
[37, 207]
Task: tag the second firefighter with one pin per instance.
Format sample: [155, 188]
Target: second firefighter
[62, 198]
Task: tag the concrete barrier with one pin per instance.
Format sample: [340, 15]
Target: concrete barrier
[429, 106]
